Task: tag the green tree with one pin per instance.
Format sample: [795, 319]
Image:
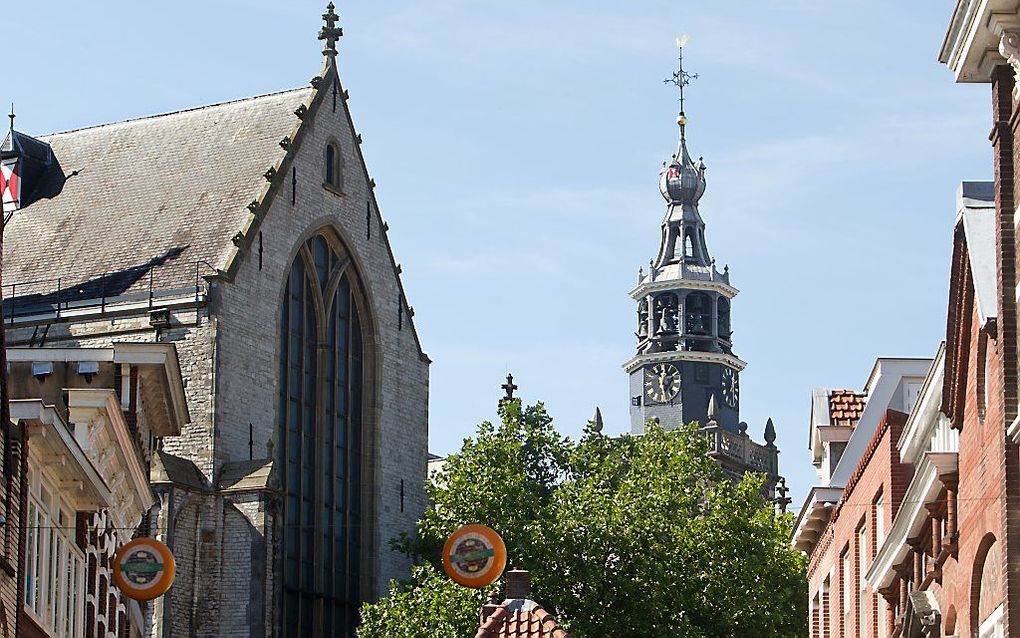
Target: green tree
[625, 537]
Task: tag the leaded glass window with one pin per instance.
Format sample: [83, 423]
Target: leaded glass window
[320, 443]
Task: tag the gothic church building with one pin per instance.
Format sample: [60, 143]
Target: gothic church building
[248, 235]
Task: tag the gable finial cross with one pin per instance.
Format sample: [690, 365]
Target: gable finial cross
[782, 495]
[509, 388]
[12, 116]
[330, 32]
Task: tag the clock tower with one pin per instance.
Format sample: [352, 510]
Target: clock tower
[685, 358]
[685, 369]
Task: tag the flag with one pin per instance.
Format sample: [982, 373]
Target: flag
[10, 185]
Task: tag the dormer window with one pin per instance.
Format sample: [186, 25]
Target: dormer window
[334, 167]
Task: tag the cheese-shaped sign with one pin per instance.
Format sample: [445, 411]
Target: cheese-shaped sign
[10, 184]
[474, 556]
[144, 569]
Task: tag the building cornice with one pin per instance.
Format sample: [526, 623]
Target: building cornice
[55, 446]
[101, 429]
[162, 356]
[979, 38]
[684, 355]
[814, 516]
[646, 288]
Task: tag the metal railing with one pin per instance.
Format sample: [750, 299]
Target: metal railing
[144, 286]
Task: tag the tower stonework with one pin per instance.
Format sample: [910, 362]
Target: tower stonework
[685, 369]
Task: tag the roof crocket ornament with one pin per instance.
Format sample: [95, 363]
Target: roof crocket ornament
[330, 32]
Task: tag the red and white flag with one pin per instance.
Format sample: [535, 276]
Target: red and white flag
[10, 185]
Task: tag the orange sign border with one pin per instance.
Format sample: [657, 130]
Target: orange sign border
[165, 580]
[490, 575]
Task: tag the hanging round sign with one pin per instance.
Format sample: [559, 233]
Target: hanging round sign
[474, 556]
[144, 569]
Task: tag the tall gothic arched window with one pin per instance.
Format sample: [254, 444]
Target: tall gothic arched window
[320, 442]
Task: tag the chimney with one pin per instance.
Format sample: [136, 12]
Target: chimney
[490, 607]
[518, 584]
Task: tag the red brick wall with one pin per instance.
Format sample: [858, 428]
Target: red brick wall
[989, 466]
[981, 478]
[879, 472]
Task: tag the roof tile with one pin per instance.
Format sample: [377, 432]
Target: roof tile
[520, 619]
[846, 407]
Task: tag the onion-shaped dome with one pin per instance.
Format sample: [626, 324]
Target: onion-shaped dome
[682, 181]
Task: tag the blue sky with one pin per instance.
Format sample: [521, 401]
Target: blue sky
[516, 147]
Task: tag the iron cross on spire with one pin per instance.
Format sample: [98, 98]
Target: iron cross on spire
[681, 78]
[330, 32]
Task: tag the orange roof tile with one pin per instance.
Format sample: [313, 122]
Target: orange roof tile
[845, 407]
[520, 619]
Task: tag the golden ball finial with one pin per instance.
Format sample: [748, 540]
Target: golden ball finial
[681, 120]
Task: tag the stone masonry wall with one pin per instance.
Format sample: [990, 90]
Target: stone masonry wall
[248, 311]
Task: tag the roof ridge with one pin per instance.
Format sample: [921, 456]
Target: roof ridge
[177, 112]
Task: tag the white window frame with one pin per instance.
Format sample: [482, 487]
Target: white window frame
[879, 521]
[55, 566]
[846, 598]
[862, 581]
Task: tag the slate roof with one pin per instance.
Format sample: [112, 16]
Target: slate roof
[845, 407]
[246, 475]
[167, 190]
[520, 618]
[167, 468]
[976, 203]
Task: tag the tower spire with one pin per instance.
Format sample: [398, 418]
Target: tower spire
[330, 32]
[681, 79]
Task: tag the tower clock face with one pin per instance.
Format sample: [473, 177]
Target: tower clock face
[662, 382]
[730, 387]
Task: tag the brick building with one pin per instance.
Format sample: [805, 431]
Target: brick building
[946, 562]
[853, 437]
[911, 542]
[247, 234]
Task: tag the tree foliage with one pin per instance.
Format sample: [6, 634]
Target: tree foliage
[624, 537]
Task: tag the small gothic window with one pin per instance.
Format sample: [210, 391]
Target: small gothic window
[334, 166]
[688, 246]
[724, 318]
[698, 318]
